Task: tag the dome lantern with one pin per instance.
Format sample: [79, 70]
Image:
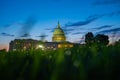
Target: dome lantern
[58, 24]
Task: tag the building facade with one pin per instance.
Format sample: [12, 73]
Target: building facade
[58, 41]
[23, 44]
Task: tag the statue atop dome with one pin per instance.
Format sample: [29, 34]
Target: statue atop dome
[58, 24]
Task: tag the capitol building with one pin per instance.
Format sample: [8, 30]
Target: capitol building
[58, 35]
[58, 41]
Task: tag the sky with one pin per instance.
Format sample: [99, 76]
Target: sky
[23, 19]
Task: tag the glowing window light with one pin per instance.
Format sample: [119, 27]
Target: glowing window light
[40, 46]
[71, 45]
[66, 45]
[58, 38]
[59, 46]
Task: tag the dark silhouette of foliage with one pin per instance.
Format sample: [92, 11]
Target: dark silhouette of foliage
[98, 39]
[101, 39]
[3, 50]
[89, 38]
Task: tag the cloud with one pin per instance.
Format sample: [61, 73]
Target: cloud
[76, 33]
[7, 25]
[103, 27]
[13, 24]
[110, 30]
[48, 28]
[106, 2]
[89, 20]
[114, 35]
[28, 26]
[42, 36]
[25, 35]
[116, 13]
[66, 30]
[6, 34]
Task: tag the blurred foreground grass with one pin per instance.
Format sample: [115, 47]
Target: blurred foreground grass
[95, 62]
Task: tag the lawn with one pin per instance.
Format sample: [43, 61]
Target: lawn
[95, 62]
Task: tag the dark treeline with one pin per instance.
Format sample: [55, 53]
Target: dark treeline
[100, 39]
[94, 62]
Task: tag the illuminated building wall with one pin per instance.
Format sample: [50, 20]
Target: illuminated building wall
[58, 38]
[23, 44]
[28, 44]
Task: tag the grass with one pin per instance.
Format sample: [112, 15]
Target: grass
[95, 62]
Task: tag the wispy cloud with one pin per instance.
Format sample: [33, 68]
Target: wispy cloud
[103, 27]
[66, 30]
[42, 36]
[89, 20]
[50, 29]
[25, 35]
[6, 34]
[13, 24]
[110, 30]
[28, 26]
[76, 33]
[115, 13]
[7, 25]
[112, 36]
[106, 2]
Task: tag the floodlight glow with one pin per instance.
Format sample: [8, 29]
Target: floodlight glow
[40, 46]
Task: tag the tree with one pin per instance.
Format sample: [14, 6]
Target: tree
[3, 50]
[89, 38]
[101, 39]
[117, 42]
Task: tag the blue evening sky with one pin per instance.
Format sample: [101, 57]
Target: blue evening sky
[77, 17]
